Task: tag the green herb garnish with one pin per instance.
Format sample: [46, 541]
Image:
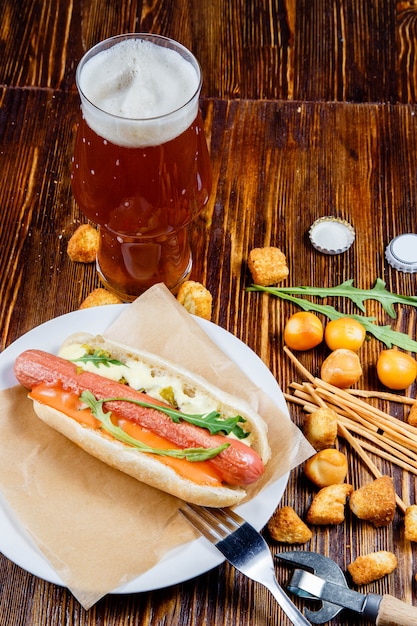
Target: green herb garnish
[189, 454]
[346, 290]
[213, 422]
[385, 334]
[97, 358]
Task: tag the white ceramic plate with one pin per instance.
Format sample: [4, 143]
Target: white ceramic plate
[184, 562]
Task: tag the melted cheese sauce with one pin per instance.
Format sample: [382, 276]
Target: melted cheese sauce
[139, 375]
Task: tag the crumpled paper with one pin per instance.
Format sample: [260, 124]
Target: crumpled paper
[100, 528]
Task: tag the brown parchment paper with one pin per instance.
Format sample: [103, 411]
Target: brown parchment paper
[99, 528]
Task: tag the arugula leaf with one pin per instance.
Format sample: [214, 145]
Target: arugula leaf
[212, 421]
[385, 334]
[355, 294]
[98, 357]
[189, 454]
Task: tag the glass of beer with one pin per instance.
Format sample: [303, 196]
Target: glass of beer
[141, 169]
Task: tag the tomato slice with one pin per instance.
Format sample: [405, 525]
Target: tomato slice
[200, 472]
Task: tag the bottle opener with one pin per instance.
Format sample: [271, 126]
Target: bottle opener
[320, 578]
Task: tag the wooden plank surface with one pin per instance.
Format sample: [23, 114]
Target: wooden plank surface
[357, 51]
[309, 110]
[277, 167]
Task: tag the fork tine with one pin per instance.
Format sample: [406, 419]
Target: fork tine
[228, 516]
[214, 524]
[199, 523]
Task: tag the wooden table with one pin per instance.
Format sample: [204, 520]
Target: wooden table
[309, 111]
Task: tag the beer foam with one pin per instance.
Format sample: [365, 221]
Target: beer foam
[138, 93]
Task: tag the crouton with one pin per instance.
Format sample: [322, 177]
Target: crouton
[326, 467]
[286, 526]
[320, 428]
[375, 502]
[268, 266]
[98, 297]
[410, 523]
[412, 415]
[83, 245]
[365, 569]
[328, 506]
[195, 298]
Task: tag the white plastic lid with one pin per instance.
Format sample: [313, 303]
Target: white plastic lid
[401, 253]
[331, 235]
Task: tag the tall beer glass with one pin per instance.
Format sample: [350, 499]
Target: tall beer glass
[141, 169]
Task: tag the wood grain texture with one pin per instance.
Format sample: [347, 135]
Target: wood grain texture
[329, 50]
[309, 110]
[277, 167]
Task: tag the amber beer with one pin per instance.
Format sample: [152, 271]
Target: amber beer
[141, 168]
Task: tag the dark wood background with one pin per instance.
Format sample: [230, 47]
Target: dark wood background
[309, 109]
[314, 50]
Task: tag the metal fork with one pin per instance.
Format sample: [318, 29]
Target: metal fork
[244, 548]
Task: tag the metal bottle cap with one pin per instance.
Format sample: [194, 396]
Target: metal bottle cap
[401, 253]
[331, 235]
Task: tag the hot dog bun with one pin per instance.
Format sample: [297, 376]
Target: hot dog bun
[143, 467]
[192, 393]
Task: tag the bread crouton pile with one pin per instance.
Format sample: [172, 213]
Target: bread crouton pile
[374, 503]
[82, 247]
[268, 266]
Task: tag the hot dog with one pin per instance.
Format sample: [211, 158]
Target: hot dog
[148, 418]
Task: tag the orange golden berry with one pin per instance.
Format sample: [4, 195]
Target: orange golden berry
[303, 331]
[327, 467]
[342, 368]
